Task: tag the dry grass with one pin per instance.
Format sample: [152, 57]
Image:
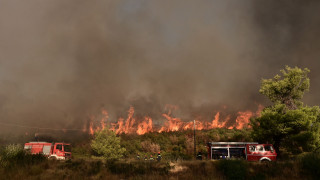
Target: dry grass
[199, 170]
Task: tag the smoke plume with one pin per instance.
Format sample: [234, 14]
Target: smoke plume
[63, 61]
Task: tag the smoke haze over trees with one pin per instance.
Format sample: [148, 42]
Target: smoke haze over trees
[62, 61]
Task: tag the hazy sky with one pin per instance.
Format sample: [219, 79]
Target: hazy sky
[62, 61]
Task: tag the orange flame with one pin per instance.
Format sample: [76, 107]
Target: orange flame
[173, 124]
[104, 119]
[243, 119]
[91, 131]
[130, 121]
[121, 126]
[216, 124]
[145, 125]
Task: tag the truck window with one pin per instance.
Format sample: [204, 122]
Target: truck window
[59, 146]
[28, 148]
[252, 148]
[67, 148]
[219, 153]
[260, 148]
[268, 148]
[237, 153]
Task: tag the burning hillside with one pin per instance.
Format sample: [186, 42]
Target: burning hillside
[138, 125]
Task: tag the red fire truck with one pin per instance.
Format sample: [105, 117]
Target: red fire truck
[251, 151]
[59, 151]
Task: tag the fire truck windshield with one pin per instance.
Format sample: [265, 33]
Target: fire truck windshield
[67, 148]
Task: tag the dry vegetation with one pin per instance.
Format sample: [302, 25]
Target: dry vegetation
[225, 169]
[176, 149]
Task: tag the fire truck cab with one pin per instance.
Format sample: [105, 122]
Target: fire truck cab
[251, 151]
[59, 151]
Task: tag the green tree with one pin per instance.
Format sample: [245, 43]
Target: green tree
[107, 145]
[288, 123]
[288, 89]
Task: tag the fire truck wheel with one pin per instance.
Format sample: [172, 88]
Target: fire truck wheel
[265, 161]
[53, 158]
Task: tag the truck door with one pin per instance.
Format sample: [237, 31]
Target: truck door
[58, 150]
[237, 152]
[250, 150]
[270, 152]
[254, 152]
[259, 152]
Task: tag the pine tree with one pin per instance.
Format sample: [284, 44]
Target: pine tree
[288, 123]
[107, 145]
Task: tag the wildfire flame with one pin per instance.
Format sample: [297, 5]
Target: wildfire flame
[243, 119]
[145, 125]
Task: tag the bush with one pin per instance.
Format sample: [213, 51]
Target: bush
[107, 145]
[81, 151]
[12, 151]
[95, 167]
[137, 168]
[176, 156]
[310, 164]
[148, 146]
[233, 169]
[13, 155]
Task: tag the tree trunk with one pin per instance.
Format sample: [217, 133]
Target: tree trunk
[276, 146]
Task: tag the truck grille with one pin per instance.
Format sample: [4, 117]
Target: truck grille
[68, 155]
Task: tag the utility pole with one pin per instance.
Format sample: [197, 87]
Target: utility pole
[194, 138]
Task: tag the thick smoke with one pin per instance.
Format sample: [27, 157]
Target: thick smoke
[62, 61]
[288, 34]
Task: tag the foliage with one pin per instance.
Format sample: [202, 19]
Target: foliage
[130, 168]
[303, 168]
[148, 146]
[234, 169]
[288, 89]
[107, 145]
[13, 155]
[179, 145]
[132, 145]
[288, 123]
[296, 130]
[173, 145]
[12, 151]
[82, 150]
[310, 164]
[92, 169]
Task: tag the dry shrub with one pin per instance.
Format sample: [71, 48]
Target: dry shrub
[189, 145]
[310, 164]
[233, 169]
[174, 139]
[150, 147]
